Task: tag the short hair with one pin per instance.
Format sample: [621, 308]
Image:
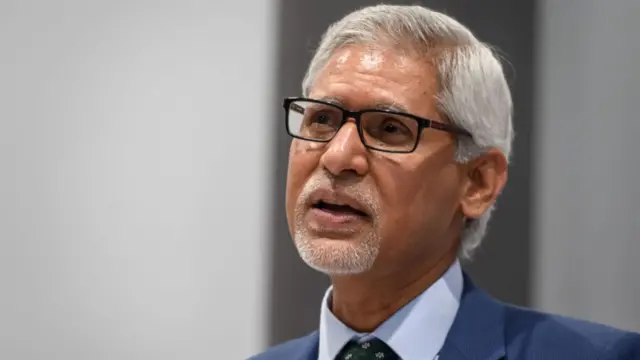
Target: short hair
[473, 91]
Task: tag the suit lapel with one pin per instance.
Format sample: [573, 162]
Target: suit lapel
[477, 332]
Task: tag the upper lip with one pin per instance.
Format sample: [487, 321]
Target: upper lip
[336, 198]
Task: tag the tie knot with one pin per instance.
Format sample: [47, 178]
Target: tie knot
[370, 348]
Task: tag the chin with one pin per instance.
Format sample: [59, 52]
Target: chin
[335, 256]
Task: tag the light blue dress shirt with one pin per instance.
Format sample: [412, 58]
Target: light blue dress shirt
[415, 332]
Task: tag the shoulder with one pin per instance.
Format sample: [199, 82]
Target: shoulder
[553, 336]
[292, 349]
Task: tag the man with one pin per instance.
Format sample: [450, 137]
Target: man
[401, 146]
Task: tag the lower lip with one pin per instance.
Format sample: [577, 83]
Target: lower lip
[329, 220]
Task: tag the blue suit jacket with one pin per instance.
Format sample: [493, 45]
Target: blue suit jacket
[485, 329]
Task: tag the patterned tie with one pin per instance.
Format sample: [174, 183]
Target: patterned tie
[367, 349]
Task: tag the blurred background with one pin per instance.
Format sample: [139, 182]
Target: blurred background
[143, 158]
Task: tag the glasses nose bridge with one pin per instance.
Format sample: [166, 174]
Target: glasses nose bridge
[348, 114]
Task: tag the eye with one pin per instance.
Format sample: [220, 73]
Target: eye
[322, 118]
[391, 126]
[389, 131]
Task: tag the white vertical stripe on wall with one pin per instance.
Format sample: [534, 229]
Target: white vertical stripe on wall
[588, 232]
[133, 160]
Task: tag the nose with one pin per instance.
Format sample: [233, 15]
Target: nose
[346, 153]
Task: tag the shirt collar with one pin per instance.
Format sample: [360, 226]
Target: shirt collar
[415, 332]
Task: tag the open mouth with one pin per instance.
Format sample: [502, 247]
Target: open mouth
[337, 209]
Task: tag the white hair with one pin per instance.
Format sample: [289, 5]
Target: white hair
[473, 94]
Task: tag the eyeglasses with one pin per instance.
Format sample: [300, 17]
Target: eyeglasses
[382, 130]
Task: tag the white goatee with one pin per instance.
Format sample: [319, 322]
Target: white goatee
[337, 257]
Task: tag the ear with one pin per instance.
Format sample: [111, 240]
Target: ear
[486, 177]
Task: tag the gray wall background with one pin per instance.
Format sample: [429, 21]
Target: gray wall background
[132, 219]
[587, 238]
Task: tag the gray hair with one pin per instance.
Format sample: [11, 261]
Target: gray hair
[473, 95]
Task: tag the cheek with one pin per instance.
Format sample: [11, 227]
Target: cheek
[402, 204]
[414, 202]
[400, 183]
[302, 164]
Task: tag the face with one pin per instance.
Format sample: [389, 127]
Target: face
[351, 209]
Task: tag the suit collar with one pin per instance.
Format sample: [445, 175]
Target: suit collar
[478, 331]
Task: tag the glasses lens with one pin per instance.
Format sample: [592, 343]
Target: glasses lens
[313, 121]
[389, 132]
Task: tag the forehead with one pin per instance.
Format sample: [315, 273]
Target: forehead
[363, 76]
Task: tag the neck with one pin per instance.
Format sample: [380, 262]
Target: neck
[363, 302]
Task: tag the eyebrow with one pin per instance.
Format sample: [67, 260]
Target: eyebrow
[332, 100]
[388, 106]
[391, 107]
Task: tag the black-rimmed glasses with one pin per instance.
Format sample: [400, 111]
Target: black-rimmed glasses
[382, 130]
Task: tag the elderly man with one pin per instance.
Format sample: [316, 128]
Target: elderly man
[401, 146]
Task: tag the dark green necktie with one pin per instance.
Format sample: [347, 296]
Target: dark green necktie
[369, 349]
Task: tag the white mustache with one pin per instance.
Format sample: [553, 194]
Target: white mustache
[366, 197]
